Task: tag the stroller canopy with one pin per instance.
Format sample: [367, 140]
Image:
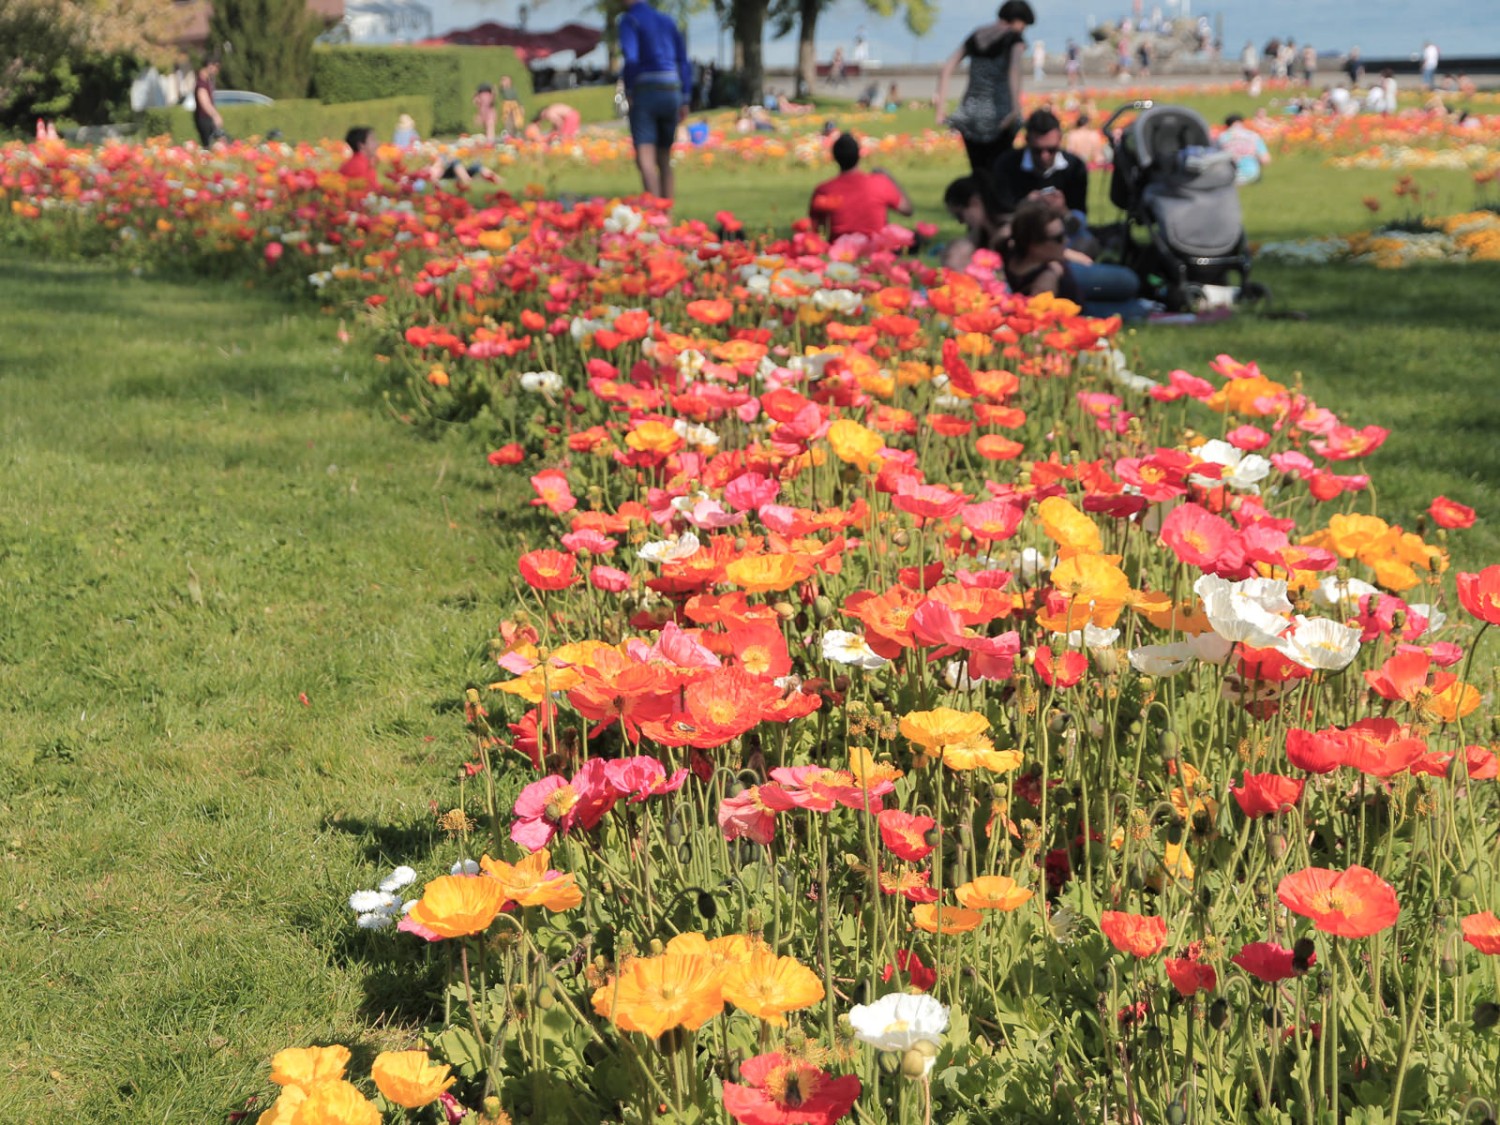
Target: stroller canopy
[1159, 135]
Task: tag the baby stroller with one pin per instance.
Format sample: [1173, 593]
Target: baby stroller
[1180, 191]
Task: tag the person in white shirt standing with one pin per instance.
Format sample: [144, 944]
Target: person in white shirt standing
[1430, 59]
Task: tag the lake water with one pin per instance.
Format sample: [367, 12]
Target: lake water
[1381, 28]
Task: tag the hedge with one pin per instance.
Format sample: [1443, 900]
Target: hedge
[298, 119]
[595, 104]
[449, 74]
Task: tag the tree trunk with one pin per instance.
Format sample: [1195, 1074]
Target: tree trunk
[807, 48]
[749, 32]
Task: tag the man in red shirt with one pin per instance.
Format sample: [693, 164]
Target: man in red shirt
[855, 202]
[359, 169]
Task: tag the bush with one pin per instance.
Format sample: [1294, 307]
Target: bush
[449, 74]
[298, 119]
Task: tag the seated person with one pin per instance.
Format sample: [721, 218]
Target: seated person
[1035, 259]
[867, 99]
[405, 137]
[754, 119]
[359, 169]
[986, 222]
[1042, 164]
[1087, 142]
[1102, 289]
[855, 202]
[1246, 147]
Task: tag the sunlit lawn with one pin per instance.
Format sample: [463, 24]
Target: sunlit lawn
[239, 603]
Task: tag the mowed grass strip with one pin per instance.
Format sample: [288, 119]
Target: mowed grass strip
[205, 518]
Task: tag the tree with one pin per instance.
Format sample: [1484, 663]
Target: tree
[804, 15]
[264, 45]
[748, 18]
[75, 58]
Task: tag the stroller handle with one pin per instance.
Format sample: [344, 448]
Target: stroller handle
[1129, 107]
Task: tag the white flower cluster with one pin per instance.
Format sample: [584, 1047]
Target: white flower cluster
[377, 909]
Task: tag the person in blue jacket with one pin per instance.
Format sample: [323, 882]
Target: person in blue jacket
[659, 82]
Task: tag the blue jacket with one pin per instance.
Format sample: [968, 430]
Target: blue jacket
[653, 48]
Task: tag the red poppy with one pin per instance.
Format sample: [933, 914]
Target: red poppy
[1189, 975]
[1140, 935]
[547, 570]
[1315, 752]
[1062, 671]
[1266, 793]
[1354, 903]
[780, 1090]
[1266, 961]
[1480, 594]
[906, 835]
[1482, 931]
[512, 454]
[1450, 513]
[920, 976]
[760, 649]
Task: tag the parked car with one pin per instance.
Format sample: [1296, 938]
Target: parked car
[241, 97]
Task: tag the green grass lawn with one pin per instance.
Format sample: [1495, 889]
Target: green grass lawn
[204, 519]
[206, 516]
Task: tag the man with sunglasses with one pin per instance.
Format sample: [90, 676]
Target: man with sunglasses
[1042, 165]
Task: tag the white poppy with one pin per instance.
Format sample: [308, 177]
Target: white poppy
[1249, 611]
[670, 550]
[1341, 593]
[850, 649]
[464, 867]
[542, 382]
[899, 1021]
[1321, 643]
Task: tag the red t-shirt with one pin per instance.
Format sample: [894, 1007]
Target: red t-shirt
[360, 172]
[853, 203]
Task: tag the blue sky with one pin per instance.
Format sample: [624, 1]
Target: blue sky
[1379, 27]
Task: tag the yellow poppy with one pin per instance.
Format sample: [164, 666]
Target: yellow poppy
[853, 443]
[1072, 531]
[654, 994]
[979, 753]
[942, 727]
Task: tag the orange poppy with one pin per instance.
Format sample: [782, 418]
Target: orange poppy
[1354, 903]
[1140, 935]
[655, 994]
[1482, 931]
[993, 892]
[760, 574]
[935, 918]
[457, 905]
[769, 986]
[530, 883]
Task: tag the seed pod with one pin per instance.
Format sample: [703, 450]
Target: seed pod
[708, 909]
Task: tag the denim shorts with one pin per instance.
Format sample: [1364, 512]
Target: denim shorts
[653, 114]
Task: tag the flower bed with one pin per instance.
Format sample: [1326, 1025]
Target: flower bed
[1470, 237]
[900, 709]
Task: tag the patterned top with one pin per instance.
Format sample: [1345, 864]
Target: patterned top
[986, 103]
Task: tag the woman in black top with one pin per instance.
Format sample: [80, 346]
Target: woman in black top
[1034, 261]
[989, 116]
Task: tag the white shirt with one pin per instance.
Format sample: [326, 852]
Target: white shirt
[1430, 57]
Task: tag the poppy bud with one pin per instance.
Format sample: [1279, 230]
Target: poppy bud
[545, 999]
[889, 1063]
[1464, 886]
[707, 907]
[784, 610]
[1167, 743]
[900, 539]
[1272, 1016]
[931, 837]
[913, 1064]
[656, 947]
[1176, 1115]
[1218, 1014]
[674, 834]
[1486, 1015]
[823, 607]
[1441, 908]
[685, 853]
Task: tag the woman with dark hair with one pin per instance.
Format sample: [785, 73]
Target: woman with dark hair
[1034, 257]
[989, 116]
